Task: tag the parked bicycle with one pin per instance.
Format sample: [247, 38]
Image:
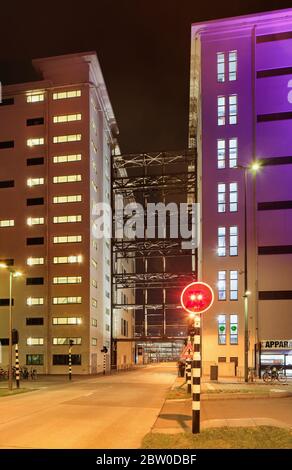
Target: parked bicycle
[272, 374]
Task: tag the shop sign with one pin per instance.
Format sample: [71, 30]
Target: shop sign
[277, 344]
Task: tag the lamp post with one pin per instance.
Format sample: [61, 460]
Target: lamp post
[253, 168]
[12, 274]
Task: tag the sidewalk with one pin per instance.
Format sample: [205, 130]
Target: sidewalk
[233, 388]
[218, 411]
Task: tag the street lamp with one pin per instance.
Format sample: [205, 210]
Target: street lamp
[253, 168]
[12, 274]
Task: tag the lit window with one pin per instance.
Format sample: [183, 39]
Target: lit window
[220, 66]
[221, 241]
[67, 219]
[233, 329]
[233, 285]
[221, 285]
[65, 199]
[35, 97]
[67, 280]
[67, 179]
[94, 322]
[233, 197]
[94, 263]
[233, 241]
[35, 261]
[233, 109]
[35, 341]
[94, 302]
[221, 329]
[67, 259]
[66, 94]
[35, 141]
[94, 186]
[232, 64]
[67, 300]
[67, 158]
[66, 341]
[67, 118]
[94, 283]
[35, 221]
[68, 239]
[221, 197]
[221, 110]
[6, 223]
[93, 341]
[67, 321]
[30, 301]
[233, 152]
[35, 181]
[59, 139]
[220, 153]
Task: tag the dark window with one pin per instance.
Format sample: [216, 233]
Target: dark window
[35, 321]
[7, 261]
[274, 206]
[35, 201]
[4, 341]
[221, 359]
[275, 250]
[34, 359]
[274, 117]
[5, 302]
[275, 295]
[34, 281]
[35, 121]
[274, 72]
[7, 145]
[7, 101]
[7, 184]
[234, 359]
[274, 37]
[63, 359]
[35, 241]
[276, 161]
[35, 161]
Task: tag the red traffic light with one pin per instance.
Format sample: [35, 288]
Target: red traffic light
[197, 297]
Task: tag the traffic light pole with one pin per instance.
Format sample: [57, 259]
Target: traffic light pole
[70, 359]
[17, 371]
[196, 377]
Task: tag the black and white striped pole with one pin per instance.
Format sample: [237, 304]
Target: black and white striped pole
[189, 371]
[196, 377]
[104, 350]
[70, 358]
[17, 370]
[196, 298]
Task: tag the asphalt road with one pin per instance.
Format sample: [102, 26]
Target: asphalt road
[112, 412]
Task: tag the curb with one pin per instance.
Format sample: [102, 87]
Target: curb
[234, 396]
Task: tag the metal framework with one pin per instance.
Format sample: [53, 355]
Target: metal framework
[153, 177]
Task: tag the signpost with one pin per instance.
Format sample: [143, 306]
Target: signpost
[196, 298]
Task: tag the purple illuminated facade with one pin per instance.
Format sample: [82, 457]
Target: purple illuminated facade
[241, 112]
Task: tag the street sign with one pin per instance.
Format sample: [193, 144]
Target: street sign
[187, 352]
[197, 297]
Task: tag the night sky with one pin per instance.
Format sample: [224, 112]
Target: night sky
[143, 47]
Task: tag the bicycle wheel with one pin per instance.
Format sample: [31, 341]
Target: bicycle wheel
[267, 377]
[282, 378]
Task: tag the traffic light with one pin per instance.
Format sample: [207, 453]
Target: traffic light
[104, 350]
[197, 297]
[15, 336]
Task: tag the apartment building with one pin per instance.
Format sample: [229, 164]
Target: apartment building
[56, 137]
[240, 113]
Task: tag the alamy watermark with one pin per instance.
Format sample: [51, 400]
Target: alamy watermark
[155, 221]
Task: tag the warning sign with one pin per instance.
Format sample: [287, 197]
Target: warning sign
[187, 352]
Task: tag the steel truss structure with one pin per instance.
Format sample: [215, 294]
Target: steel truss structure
[153, 177]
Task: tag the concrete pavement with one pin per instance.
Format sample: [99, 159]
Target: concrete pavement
[175, 415]
[108, 412]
